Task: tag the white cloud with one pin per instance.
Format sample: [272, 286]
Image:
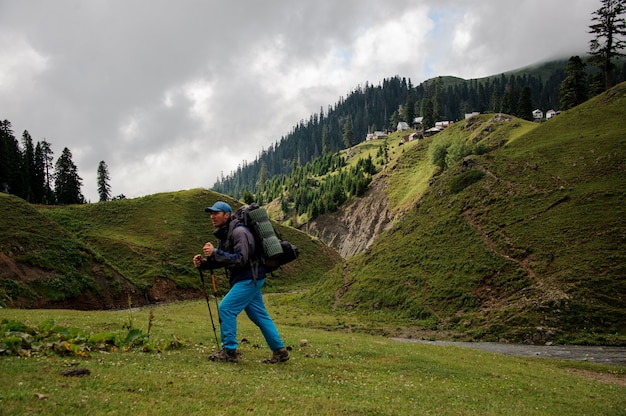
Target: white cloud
[200, 92]
[393, 47]
[20, 64]
[173, 94]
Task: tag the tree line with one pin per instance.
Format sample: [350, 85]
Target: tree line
[27, 171]
[317, 187]
[369, 108]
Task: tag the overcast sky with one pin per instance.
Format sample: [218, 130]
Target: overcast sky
[170, 94]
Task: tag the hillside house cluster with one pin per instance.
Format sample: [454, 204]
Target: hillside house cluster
[376, 135]
[410, 137]
[402, 126]
[439, 126]
[419, 133]
[416, 125]
[538, 114]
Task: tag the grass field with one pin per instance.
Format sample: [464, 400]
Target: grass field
[336, 373]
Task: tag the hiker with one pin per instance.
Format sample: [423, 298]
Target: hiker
[235, 252]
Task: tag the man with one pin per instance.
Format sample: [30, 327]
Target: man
[235, 252]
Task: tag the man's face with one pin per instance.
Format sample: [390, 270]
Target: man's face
[219, 218]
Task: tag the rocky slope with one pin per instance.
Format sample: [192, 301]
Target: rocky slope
[355, 226]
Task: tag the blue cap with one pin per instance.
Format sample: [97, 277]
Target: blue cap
[219, 206]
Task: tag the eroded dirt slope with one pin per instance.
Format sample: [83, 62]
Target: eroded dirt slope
[355, 226]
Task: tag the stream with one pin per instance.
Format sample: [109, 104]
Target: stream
[595, 354]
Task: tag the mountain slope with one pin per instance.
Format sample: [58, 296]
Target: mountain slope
[55, 256]
[44, 266]
[374, 107]
[523, 243]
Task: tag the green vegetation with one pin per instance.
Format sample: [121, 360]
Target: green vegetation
[319, 187]
[47, 338]
[111, 249]
[519, 237]
[333, 373]
[441, 98]
[524, 242]
[32, 239]
[156, 236]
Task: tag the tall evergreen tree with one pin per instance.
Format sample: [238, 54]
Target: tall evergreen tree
[104, 189]
[67, 183]
[39, 182]
[408, 111]
[28, 167]
[348, 133]
[394, 119]
[507, 102]
[525, 105]
[325, 147]
[5, 133]
[46, 152]
[10, 161]
[437, 99]
[428, 112]
[573, 89]
[496, 104]
[610, 26]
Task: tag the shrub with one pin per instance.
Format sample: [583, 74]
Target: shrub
[465, 179]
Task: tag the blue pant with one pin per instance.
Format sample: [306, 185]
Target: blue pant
[245, 295]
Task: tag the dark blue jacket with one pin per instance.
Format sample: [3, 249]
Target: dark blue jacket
[235, 252]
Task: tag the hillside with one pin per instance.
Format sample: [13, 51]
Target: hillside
[525, 242]
[93, 256]
[377, 107]
[43, 266]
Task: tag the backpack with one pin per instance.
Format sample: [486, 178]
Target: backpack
[272, 251]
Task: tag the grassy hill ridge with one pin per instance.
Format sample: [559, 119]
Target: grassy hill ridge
[45, 266]
[147, 243]
[523, 243]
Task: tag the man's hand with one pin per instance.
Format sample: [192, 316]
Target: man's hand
[208, 249]
[197, 260]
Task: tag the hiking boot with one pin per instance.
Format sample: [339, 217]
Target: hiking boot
[279, 356]
[223, 355]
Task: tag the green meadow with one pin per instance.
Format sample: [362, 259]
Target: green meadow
[337, 372]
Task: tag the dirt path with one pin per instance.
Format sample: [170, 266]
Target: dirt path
[601, 355]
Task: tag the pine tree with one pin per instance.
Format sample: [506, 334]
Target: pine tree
[67, 183]
[606, 46]
[348, 134]
[39, 176]
[525, 105]
[28, 167]
[10, 161]
[437, 98]
[573, 89]
[104, 189]
[408, 111]
[46, 152]
[325, 147]
[428, 112]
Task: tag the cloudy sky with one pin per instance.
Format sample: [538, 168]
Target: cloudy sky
[170, 94]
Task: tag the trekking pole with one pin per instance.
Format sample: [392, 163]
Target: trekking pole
[206, 295]
[217, 305]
